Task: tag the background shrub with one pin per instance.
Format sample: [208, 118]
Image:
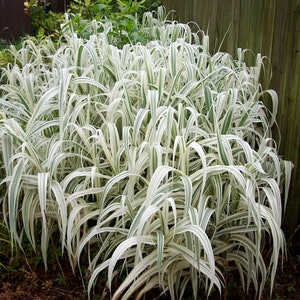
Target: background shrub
[125, 16]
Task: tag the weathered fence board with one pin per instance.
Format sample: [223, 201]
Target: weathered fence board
[272, 28]
[13, 21]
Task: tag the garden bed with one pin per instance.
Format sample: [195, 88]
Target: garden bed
[34, 283]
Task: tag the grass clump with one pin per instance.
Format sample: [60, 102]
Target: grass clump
[154, 163]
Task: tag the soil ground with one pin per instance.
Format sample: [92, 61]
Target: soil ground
[33, 283]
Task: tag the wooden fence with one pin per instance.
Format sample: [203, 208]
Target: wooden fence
[13, 21]
[272, 28]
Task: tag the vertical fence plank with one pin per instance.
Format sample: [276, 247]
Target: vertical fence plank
[13, 21]
[289, 122]
[268, 25]
[223, 24]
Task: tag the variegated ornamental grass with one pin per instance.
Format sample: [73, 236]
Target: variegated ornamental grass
[155, 163]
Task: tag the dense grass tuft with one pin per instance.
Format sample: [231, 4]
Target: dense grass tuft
[157, 160]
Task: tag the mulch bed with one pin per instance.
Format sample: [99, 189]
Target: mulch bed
[40, 285]
[26, 282]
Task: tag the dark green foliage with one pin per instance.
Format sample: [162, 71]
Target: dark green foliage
[124, 15]
[5, 57]
[43, 21]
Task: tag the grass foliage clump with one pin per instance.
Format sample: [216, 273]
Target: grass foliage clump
[153, 163]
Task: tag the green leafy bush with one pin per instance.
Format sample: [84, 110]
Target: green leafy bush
[153, 162]
[124, 15]
[43, 21]
[5, 56]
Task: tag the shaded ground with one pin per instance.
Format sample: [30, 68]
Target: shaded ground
[27, 282]
[36, 284]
